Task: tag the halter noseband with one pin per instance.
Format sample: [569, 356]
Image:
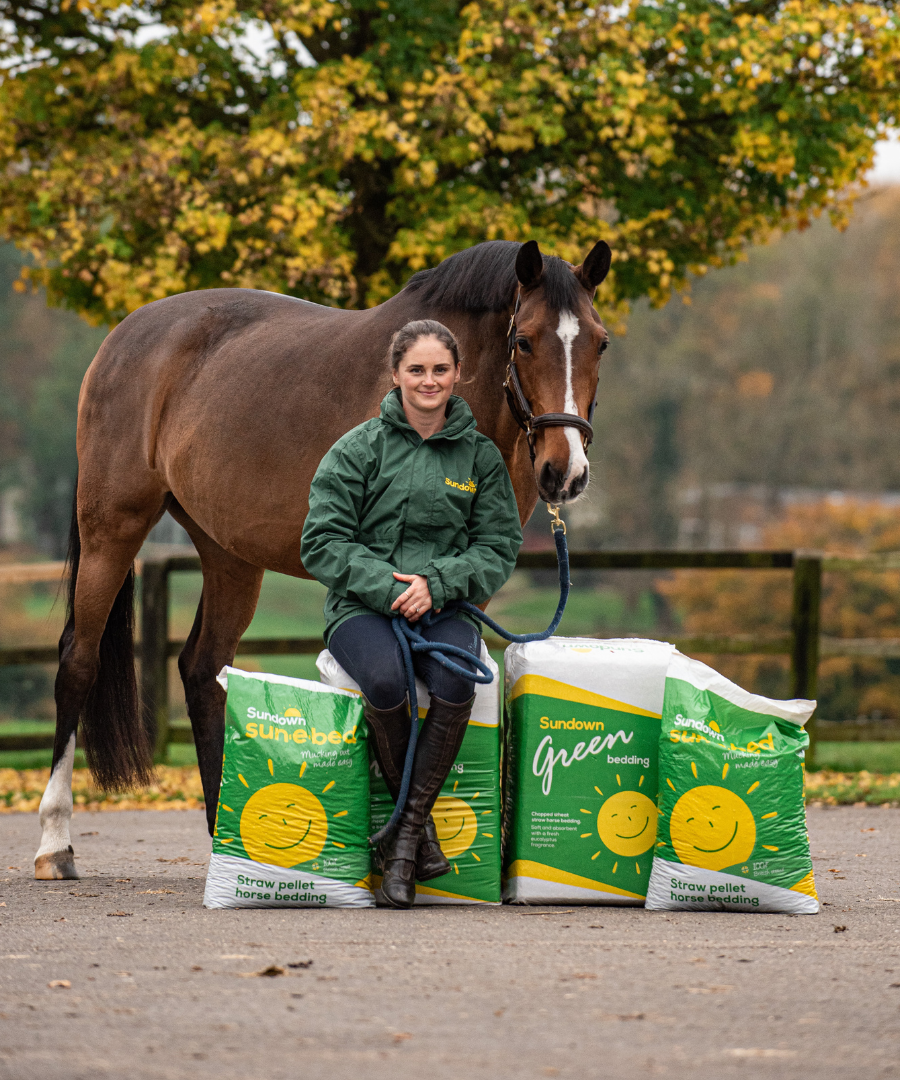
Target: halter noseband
[518, 403]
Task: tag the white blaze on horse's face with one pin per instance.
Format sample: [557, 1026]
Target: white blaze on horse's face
[567, 332]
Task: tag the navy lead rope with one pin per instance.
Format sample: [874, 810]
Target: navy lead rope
[410, 641]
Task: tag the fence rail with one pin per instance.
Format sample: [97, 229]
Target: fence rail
[804, 644]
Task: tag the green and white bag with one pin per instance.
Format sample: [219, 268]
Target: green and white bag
[292, 823]
[467, 812]
[732, 819]
[582, 739]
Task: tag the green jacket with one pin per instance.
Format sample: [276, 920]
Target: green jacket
[384, 499]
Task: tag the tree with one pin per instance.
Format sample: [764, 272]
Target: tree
[783, 373]
[44, 357]
[147, 149]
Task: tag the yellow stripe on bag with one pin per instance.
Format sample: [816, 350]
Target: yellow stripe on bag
[524, 868]
[806, 885]
[544, 687]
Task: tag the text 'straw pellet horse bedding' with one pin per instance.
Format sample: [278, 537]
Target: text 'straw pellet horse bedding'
[293, 819]
[732, 818]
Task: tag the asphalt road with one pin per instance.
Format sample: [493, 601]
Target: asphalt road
[160, 988]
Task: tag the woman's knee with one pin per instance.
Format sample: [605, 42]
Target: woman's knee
[383, 689]
[451, 688]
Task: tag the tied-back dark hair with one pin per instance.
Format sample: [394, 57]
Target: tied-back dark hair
[404, 339]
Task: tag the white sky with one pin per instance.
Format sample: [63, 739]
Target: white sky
[887, 161]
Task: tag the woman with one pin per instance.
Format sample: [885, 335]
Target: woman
[408, 512]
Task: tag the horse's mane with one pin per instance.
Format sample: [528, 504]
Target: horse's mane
[483, 278]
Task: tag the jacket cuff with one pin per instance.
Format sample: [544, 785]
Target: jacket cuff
[393, 593]
[435, 586]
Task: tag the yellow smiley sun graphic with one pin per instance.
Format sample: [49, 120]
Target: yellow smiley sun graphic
[283, 824]
[627, 823]
[711, 827]
[456, 825]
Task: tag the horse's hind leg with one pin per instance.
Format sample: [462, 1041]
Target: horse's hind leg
[230, 592]
[98, 627]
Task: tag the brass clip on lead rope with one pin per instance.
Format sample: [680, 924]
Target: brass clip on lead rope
[556, 522]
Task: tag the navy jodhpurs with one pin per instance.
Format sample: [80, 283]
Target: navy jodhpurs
[367, 649]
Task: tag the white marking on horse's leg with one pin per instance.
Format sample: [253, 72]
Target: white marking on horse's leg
[55, 857]
[567, 331]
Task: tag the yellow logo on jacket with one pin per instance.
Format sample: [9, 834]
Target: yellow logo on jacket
[469, 485]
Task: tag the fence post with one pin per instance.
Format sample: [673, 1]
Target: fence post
[154, 659]
[805, 628]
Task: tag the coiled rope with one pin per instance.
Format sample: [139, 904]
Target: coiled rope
[411, 641]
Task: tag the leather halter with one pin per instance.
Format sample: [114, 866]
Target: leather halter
[518, 403]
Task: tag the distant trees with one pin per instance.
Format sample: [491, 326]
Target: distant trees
[43, 357]
[783, 372]
[330, 147]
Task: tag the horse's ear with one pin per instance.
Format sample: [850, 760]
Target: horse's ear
[595, 267]
[529, 264]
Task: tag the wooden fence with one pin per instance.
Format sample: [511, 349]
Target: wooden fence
[804, 644]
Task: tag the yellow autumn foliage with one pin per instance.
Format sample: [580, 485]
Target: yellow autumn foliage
[330, 149]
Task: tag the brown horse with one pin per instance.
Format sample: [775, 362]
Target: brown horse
[217, 407]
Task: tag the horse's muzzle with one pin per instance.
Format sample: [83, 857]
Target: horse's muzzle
[552, 486]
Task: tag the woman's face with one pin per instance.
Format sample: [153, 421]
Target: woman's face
[427, 375]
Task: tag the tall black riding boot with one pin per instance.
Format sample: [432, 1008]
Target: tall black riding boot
[389, 729]
[439, 743]
[390, 738]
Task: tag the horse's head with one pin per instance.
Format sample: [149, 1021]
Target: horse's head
[558, 342]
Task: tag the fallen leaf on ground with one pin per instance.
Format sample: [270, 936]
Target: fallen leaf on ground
[119, 914]
[760, 1052]
[267, 973]
[60, 984]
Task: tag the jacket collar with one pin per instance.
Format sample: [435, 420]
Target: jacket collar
[459, 417]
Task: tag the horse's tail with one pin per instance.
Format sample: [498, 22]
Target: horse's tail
[115, 735]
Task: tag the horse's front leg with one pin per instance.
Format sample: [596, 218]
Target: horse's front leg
[227, 603]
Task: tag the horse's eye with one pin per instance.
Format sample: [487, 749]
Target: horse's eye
[604, 345]
[524, 345]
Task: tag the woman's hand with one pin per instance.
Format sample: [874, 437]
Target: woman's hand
[416, 600]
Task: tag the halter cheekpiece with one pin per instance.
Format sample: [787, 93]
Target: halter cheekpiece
[518, 403]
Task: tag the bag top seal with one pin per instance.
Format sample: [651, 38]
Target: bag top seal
[795, 711]
[283, 680]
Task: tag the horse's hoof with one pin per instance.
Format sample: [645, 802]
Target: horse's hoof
[57, 866]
